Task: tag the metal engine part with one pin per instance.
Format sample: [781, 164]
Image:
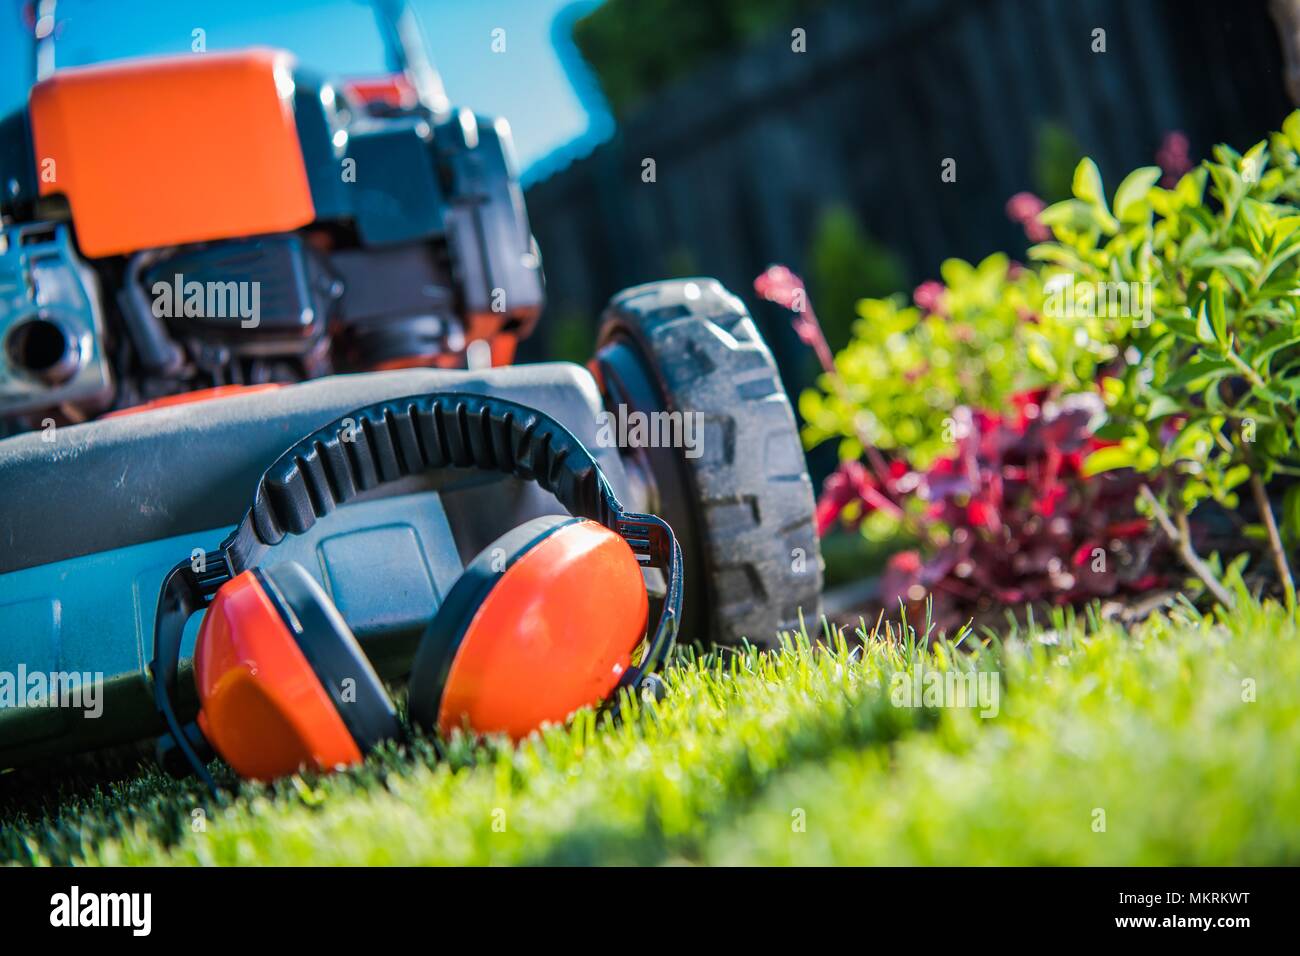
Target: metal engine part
[51, 324]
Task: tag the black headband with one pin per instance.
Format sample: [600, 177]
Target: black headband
[390, 440]
[385, 442]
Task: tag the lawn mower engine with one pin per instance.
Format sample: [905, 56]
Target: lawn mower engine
[194, 248]
[294, 233]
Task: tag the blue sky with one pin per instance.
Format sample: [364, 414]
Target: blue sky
[527, 83]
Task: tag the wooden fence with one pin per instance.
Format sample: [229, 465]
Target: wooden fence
[748, 151]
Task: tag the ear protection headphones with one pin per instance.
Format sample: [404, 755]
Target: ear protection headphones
[549, 618]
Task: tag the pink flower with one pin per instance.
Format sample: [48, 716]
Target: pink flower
[1023, 208]
[906, 562]
[1173, 158]
[928, 297]
[806, 327]
[1024, 205]
[780, 285]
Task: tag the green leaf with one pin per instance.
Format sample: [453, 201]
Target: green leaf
[1130, 198]
[1181, 326]
[1235, 476]
[1291, 501]
[1194, 492]
[1252, 164]
[1275, 341]
[1108, 459]
[1251, 214]
[1162, 405]
[1057, 255]
[1192, 246]
[1275, 393]
[1204, 330]
[1236, 258]
[1194, 372]
[1194, 442]
[1283, 228]
[1087, 183]
[1228, 186]
[1163, 201]
[1088, 190]
[1291, 127]
[1218, 313]
[956, 272]
[1068, 212]
[1226, 155]
[1191, 187]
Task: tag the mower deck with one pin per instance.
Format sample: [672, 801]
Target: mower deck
[96, 517]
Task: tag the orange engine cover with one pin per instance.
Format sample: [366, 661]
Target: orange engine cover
[170, 150]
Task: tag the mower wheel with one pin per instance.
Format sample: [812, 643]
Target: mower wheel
[740, 500]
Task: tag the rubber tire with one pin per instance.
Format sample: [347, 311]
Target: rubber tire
[756, 547]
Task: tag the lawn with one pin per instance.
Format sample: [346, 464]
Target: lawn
[1177, 742]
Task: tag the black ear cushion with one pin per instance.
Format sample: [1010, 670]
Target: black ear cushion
[443, 636]
[333, 652]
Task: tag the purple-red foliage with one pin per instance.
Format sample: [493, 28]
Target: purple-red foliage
[1009, 518]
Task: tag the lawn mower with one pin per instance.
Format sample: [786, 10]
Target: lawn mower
[225, 278]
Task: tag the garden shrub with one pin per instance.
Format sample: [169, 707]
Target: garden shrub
[1177, 307]
[974, 340]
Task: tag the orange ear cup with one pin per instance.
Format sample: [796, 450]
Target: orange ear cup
[543, 622]
[264, 704]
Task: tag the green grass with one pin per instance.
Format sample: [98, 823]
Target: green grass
[798, 757]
